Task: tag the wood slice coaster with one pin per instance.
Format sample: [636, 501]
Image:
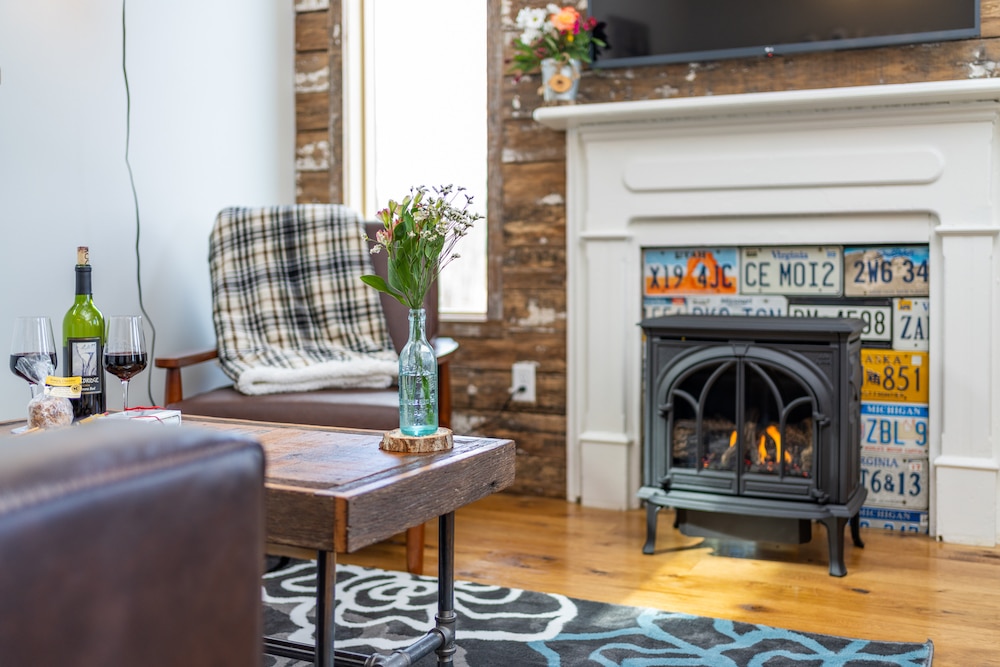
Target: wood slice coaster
[397, 441]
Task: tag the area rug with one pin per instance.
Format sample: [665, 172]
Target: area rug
[379, 610]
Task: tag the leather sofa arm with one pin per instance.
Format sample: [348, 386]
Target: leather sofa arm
[131, 544]
[173, 389]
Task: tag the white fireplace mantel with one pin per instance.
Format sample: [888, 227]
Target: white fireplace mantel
[911, 163]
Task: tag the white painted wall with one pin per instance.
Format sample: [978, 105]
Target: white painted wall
[212, 125]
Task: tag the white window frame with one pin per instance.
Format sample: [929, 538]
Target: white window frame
[358, 123]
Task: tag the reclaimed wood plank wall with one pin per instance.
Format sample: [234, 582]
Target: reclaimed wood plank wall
[318, 101]
[527, 171]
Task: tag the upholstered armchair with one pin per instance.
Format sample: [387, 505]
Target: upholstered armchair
[295, 254]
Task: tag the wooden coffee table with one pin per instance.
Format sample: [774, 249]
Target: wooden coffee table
[333, 490]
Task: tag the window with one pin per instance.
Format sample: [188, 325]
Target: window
[416, 114]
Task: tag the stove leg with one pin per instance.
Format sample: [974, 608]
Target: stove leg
[835, 540]
[652, 509]
[856, 531]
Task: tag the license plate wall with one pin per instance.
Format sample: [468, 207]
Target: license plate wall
[886, 286]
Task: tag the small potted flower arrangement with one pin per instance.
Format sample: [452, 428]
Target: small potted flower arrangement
[555, 40]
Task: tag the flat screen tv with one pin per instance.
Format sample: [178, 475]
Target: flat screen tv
[647, 32]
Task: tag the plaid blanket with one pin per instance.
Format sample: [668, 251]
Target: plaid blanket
[290, 310]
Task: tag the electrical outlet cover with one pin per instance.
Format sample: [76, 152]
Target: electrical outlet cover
[523, 375]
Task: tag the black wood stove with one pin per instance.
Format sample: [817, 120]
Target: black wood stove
[753, 427]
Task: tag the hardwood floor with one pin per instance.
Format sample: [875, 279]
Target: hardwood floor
[900, 587]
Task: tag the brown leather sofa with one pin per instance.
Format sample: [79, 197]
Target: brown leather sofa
[131, 544]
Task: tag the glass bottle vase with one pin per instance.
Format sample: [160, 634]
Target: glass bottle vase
[418, 382]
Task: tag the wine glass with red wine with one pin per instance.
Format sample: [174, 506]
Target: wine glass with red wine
[125, 350]
[32, 350]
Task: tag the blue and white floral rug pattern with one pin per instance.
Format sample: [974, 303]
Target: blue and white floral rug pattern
[378, 610]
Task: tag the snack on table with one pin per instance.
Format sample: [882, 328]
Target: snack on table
[46, 411]
[52, 408]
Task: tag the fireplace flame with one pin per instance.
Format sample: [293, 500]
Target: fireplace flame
[775, 435]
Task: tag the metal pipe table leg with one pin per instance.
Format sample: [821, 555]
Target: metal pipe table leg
[440, 639]
[326, 597]
[446, 619]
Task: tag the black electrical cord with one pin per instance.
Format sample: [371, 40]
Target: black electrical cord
[135, 202]
[503, 408]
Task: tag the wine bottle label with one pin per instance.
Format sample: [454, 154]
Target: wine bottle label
[84, 359]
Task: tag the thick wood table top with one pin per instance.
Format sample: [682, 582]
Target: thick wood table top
[335, 490]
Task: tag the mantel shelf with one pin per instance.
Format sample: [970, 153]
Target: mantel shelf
[812, 101]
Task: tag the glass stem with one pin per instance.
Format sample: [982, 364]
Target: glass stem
[124, 395]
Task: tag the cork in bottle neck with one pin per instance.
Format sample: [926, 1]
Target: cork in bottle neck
[83, 270]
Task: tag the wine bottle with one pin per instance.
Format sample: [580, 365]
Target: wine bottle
[83, 342]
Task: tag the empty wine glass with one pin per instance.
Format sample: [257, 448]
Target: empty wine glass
[125, 350]
[32, 350]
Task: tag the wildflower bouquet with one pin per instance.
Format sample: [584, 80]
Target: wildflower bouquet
[419, 234]
[553, 32]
